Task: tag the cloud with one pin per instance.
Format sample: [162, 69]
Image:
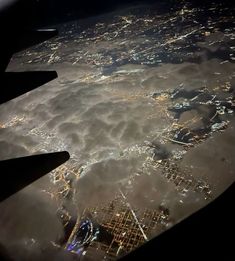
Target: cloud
[30, 214]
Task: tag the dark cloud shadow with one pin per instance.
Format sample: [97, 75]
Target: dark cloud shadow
[4, 255]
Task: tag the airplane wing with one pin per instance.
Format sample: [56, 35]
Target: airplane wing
[20, 172]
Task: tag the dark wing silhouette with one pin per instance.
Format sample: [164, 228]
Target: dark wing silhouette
[14, 84]
[21, 172]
